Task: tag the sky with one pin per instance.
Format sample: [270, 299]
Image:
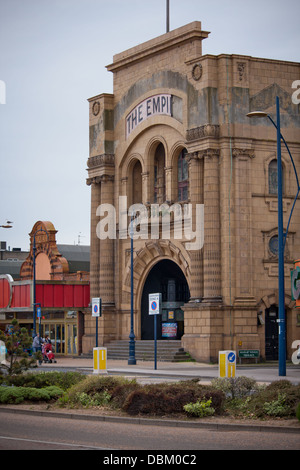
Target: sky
[52, 59]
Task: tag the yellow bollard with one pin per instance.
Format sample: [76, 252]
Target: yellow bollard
[99, 359]
[227, 361]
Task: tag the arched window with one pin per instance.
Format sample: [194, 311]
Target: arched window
[273, 177]
[159, 175]
[137, 195]
[183, 176]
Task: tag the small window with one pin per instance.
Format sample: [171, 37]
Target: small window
[273, 177]
[159, 175]
[273, 245]
[137, 183]
[183, 176]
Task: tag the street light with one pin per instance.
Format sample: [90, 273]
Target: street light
[8, 224]
[281, 235]
[131, 359]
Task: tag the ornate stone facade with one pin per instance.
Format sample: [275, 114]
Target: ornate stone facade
[226, 290]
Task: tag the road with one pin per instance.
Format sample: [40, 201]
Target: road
[24, 432]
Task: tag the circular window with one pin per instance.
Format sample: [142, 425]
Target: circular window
[273, 245]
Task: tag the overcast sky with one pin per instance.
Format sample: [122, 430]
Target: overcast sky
[52, 59]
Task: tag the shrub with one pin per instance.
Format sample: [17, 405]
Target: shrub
[161, 399]
[93, 389]
[121, 392]
[99, 399]
[17, 341]
[277, 407]
[64, 380]
[16, 395]
[235, 387]
[280, 398]
[200, 408]
[298, 411]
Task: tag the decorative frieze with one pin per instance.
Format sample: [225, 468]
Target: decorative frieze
[202, 132]
[101, 160]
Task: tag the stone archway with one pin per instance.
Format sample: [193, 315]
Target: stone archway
[166, 278]
[145, 259]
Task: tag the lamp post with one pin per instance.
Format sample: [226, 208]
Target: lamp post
[34, 280]
[7, 225]
[281, 235]
[131, 359]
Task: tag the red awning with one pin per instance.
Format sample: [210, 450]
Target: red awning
[18, 295]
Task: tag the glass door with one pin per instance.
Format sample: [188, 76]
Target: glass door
[72, 338]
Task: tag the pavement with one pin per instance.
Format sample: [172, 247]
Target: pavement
[262, 373]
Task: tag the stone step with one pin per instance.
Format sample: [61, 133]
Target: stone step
[168, 351]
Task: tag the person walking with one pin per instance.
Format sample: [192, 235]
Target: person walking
[37, 346]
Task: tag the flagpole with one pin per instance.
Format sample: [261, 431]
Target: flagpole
[168, 16]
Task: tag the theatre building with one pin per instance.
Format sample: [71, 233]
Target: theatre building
[173, 145]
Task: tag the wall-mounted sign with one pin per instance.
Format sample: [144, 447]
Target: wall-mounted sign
[169, 330]
[152, 106]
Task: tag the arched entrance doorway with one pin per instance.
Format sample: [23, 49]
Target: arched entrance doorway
[166, 278]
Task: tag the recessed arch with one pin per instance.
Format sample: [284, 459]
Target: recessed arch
[166, 278]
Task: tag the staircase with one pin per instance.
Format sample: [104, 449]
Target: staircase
[167, 351]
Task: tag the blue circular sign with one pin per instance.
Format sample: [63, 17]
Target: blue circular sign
[153, 305]
[96, 308]
[231, 357]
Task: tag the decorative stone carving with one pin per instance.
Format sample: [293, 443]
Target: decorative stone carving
[197, 72]
[101, 160]
[208, 130]
[241, 66]
[96, 108]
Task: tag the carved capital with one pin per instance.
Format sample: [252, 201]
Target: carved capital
[243, 153]
[209, 153]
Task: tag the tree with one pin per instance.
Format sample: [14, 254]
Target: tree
[17, 342]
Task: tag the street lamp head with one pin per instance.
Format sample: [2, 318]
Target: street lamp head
[257, 114]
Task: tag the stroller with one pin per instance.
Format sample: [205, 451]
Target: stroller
[48, 355]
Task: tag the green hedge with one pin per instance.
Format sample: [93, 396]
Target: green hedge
[63, 380]
[14, 395]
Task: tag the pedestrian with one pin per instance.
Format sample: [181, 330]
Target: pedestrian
[37, 346]
[47, 340]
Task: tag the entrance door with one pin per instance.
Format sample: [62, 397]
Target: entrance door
[166, 278]
[72, 338]
[56, 333]
[271, 333]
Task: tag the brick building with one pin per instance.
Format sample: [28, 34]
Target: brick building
[175, 131]
[61, 289]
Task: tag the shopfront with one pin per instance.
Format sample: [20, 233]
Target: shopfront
[61, 317]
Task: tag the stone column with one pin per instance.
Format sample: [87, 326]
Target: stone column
[88, 339]
[145, 187]
[106, 258]
[195, 197]
[243, 226]
[95, 242]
